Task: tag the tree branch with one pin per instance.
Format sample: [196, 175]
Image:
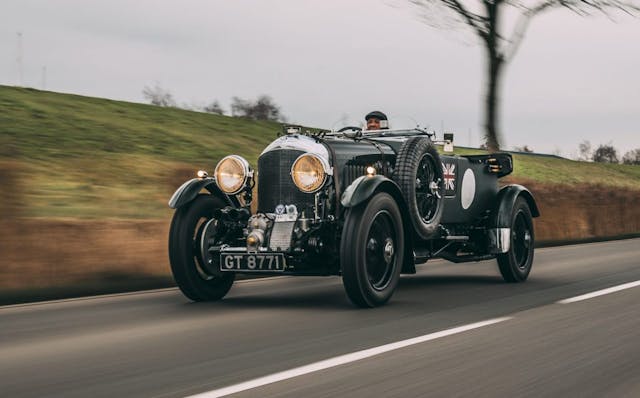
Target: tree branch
[522, 25]
[581, 7]
[477, 22]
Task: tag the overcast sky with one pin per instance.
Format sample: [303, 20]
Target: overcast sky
[573, 79]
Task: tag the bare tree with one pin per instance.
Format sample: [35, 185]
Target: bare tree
[157, 95]
[605, 154]
[240, 107]
[524, 148]
[585, 152]
[263, 108]
[214, 107]
[632, 157]
[485, 18]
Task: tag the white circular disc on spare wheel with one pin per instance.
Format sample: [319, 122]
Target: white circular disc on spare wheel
[468, 189]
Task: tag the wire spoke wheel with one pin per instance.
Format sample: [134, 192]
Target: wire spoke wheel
[427, 190]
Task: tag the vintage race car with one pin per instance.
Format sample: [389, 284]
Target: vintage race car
[364, 205]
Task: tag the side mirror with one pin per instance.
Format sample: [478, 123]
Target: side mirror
[448, 142]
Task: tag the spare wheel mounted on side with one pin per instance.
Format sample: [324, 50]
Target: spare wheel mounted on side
[418, 172]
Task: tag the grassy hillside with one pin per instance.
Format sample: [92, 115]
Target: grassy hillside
[88, 157]
[71, 156]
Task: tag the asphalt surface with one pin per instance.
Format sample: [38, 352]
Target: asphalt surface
[158, 344]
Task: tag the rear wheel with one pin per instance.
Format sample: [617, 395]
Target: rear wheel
[372, 250]
[198, 280]
[515, 264]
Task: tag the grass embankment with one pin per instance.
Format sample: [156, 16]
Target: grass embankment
[84, 157]
[87, 157]
[85, 184]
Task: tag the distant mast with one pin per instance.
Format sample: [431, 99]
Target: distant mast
[19, 60]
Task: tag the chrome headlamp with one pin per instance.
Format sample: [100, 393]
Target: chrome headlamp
[309, 172]
[232, 173]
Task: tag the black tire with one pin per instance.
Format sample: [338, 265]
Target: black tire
[515, 264]
[189, 272]
[372, 251]
[418, 172]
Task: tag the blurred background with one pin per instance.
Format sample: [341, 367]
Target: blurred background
[107, 107]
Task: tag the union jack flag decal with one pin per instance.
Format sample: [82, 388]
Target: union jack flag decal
[449, 174]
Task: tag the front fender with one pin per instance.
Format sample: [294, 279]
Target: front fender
[507, 197]
[362, 188]
[190, 189]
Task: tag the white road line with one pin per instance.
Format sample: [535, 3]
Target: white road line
[341, 360]
[600, 292]
[84, 298]
[133, 293]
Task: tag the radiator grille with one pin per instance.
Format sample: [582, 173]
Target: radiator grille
[351, 172]
[275, 185]
[354, 170]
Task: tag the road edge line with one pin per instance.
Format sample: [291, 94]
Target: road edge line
[132, 293]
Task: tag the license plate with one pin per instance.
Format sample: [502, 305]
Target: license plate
[273, 262]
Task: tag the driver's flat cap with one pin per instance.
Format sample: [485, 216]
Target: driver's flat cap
[376, 114]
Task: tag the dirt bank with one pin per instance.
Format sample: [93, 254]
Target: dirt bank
[57, 258]
[585, 212]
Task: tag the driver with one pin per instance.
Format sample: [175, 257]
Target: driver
[376, 120]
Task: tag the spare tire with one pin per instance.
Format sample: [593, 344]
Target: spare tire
[418, 173]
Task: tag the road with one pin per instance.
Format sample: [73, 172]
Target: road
[158, 344]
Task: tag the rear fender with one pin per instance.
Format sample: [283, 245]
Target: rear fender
[507, 196]
[499, 226]
[190, 189]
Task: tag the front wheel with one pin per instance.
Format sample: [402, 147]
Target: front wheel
[515, 264]
[197, 280]
[372, 250]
